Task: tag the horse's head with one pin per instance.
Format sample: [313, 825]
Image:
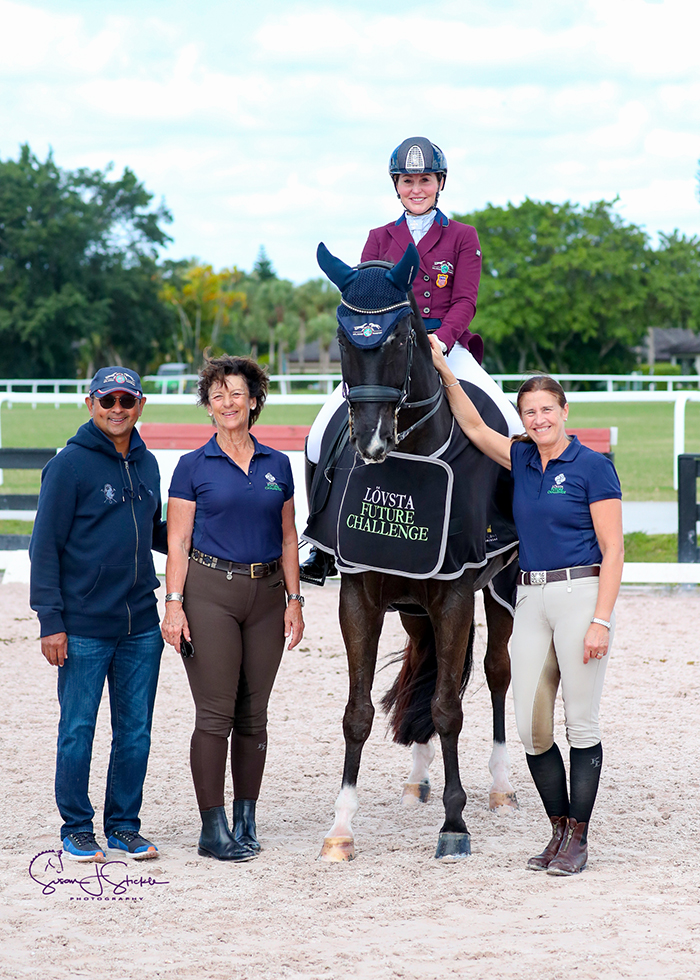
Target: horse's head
[377, 335]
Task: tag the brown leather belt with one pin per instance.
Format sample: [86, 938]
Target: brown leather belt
[558, 575]
[259, 569]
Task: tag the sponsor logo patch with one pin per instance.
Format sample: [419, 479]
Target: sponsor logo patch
[272, 483]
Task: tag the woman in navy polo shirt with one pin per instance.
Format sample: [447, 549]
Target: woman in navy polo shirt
[568, 515]
[445, 289]
[232, 554]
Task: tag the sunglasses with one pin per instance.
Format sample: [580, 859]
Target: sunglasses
[125, 401]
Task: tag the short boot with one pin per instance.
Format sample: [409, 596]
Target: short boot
[216, 840]
[317, 567]
[540, 862]
[244, 825]
[572, 854]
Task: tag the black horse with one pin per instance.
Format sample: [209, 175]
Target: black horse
[398, 412]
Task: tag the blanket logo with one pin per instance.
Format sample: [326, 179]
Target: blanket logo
[390, 515]
[557, 485]
[272, 483]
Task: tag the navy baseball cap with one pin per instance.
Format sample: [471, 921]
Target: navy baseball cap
[111, 379]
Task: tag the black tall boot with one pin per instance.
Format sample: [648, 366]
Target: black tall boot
[244, 832]
[216, 840]
[318, 565]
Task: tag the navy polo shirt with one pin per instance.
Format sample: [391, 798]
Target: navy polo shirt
[552, 509]
[238, 515]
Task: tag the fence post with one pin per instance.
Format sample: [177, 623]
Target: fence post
[688, 470]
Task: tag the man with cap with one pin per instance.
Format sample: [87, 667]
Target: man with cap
[92, 586]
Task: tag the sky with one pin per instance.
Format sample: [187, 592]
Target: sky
[271, 124]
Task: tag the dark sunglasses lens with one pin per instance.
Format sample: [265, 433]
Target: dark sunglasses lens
[126, 401]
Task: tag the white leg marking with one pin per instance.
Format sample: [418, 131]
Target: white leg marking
[502, 792]
[345, 809]
[423, 755]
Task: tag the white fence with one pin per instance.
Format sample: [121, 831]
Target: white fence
[679, 398]
[326, 382]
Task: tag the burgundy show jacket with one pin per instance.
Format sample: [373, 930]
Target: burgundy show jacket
[446, 296]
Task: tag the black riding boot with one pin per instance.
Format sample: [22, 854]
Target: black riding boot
[318, 565]
[244, 824]
[216, 840]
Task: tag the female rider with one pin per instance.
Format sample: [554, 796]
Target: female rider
[445, 289]
[568, 516]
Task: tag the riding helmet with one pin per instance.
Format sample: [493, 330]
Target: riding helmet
[417, 155]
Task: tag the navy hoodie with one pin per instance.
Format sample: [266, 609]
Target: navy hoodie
[98, 516]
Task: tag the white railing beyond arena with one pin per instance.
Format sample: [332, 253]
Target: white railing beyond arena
[679, 398]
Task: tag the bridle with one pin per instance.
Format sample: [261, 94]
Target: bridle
[385, 393]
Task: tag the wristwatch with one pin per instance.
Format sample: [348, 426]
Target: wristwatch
[295, 595]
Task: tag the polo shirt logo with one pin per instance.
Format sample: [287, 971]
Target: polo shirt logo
[272, 483]
[557, 485]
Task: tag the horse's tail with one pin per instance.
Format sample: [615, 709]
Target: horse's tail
[408, 700]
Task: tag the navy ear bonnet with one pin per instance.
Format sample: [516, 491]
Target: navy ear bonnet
[374, 298]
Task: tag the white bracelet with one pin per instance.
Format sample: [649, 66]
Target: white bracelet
[174, 597]
[601, 622]
[450, 385]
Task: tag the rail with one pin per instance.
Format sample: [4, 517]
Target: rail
[679, 398]
[178, 384]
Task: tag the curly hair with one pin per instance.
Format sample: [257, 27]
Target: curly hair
[217, 369]
[539, 382]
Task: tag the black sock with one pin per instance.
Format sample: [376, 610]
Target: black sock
[585, 766]
[549, 775]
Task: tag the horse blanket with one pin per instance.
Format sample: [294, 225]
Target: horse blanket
[415, 516]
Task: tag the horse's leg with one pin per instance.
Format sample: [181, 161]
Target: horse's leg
[416, 789]
[452, 625]
[497, 669]
[360, 623]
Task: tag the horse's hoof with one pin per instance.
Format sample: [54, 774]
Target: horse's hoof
[414, 793]
[337, 849]
[503, 799]
[453, 847]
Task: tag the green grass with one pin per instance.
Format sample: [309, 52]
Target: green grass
[16, 527]
[643, 456]
[651, 547]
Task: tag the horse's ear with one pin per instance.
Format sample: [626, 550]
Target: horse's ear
[405, 270]
[337, 271]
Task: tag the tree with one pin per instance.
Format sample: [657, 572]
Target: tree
[263, 269]
[78, 276]
[204, 301]
[323, 328]
[563, 288]
[311, 299]
[674, 282]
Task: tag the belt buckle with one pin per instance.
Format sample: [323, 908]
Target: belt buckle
[538, 578]
[257, 564]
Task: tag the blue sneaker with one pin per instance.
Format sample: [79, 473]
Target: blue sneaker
[83, 847]
[131, 842]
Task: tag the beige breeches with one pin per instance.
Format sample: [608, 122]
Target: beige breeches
[547, 648]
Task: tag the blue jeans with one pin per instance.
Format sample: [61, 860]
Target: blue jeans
[131, 666]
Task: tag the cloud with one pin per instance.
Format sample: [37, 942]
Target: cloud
[274, 124]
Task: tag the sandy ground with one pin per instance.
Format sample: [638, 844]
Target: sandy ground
[394, 911]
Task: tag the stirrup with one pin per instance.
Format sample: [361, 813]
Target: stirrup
[317, 567]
